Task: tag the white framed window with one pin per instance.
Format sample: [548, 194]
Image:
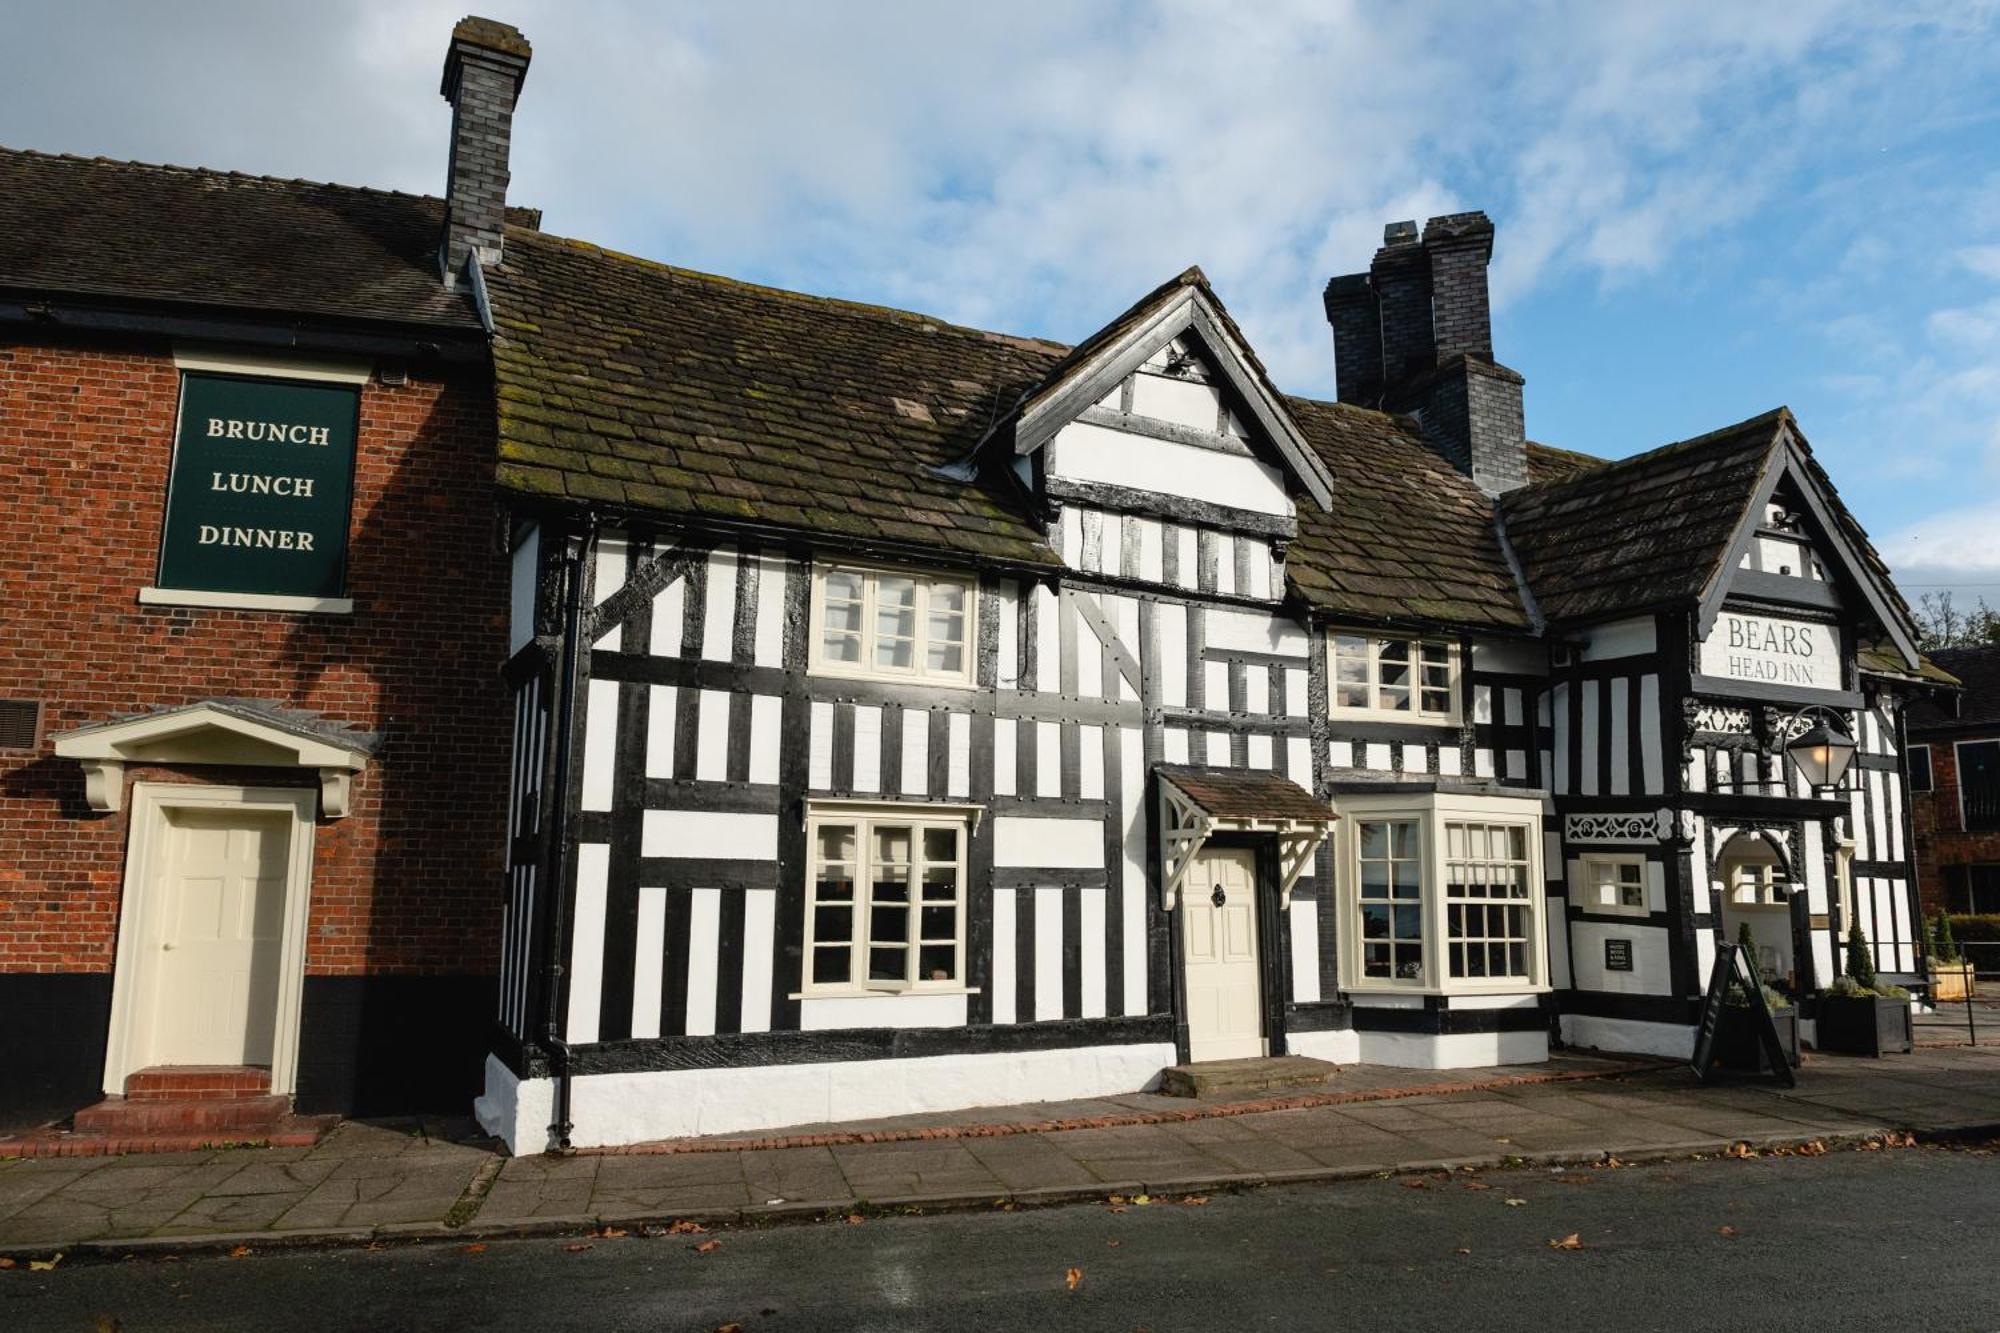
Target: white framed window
[1441, 893]
[1757, 884]
[1613, 883]
[893, 625]
[1394, 679]
[885, 898]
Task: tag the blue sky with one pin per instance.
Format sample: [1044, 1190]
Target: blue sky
[1703, 210]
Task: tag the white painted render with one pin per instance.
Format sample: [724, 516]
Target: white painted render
[640, 1107]
[1456, 1050]
[723, 835]
[1673, 1041]
[1028, 842]
[1085, 452]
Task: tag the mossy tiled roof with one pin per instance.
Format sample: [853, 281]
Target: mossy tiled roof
[1410, 537]
[661, 390]
[129, 231]
[658, 389]
[1643, 532]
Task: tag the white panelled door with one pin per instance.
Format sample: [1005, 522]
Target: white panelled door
[222, 906]
[1219, 929]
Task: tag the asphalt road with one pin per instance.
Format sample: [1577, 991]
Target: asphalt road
[1845, 1241]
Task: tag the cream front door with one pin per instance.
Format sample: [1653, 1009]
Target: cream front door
[1219, 930]
[215, 962]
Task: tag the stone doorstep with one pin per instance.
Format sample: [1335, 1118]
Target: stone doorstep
[204, 1115]
[1195, 1110]
[1256, 1074]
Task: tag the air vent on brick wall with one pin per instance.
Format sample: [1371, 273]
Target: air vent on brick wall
[19, 719]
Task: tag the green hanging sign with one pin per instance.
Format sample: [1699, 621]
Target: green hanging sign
[262, 481]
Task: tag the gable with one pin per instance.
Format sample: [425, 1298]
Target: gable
[1796, 545]
[1171, 436]
[1166, 402]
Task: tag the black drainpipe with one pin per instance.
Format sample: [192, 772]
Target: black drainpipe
[573, 570]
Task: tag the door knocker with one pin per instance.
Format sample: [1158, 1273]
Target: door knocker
[1218, 897]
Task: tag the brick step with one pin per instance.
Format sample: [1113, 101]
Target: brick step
[293, 1131]
[197, 1083]
[124, 1117]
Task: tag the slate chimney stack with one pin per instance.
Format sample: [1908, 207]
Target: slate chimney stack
[483, 70]
[1414, 334]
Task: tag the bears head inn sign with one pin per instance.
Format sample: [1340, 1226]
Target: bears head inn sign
[1767, 650]
[263, 472]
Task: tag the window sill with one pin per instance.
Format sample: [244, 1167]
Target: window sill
[881, 994]
[1502, 988]
[246, 601]
[1399, 719]
[818, 672]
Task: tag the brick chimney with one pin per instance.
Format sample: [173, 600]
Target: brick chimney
[483, 70]
[1414, 334]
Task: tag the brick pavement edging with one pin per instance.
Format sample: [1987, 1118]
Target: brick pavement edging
[1113, 1120]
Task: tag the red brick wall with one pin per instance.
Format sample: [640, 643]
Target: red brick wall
[1941, 838]
[410, 881]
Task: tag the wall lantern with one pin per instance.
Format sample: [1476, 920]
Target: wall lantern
[1821, 753]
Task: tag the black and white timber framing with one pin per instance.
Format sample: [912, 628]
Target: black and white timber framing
[662, 991]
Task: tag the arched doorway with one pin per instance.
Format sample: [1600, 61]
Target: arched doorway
[1754, 875]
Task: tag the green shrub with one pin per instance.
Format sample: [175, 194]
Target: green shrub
[1978, 929]
[1860, 958]
[1747, 943]
[1947, 943]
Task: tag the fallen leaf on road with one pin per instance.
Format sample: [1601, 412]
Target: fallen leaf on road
[1725, 1231]
[472, 1249]
[1115, 1198]
[1142, 1199]
[1503, 1140]
[1610, 1163]
[686, 1228]
[1572, 1241]
[708, 1247]
[6, 1262]
[105, 1323]
[1462, 1250]
[240, 1252]
[1195, 1200]
[1410, 1184]
[1515, 1203]
[611, 1233]
[1740, 1149]
[1071, 1278]
[1474, 1185]
[729, 1328]
[855, 1219]
[577, 1248]
[1816, 1148]
[1114, 1244]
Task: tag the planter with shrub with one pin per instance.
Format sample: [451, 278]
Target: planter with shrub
[1739, 1043]
[1951, 974]
[1857, 1015]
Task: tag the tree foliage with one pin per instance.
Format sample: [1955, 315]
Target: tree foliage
[1942, 624]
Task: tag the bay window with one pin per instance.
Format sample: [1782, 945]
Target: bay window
[885, 898]
[1399, 679]
[885, 624]
[1441, 892]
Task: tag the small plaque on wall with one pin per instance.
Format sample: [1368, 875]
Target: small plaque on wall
[1617, 955]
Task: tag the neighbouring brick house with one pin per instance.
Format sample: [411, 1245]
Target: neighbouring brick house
[1955, 784]
[253, 743]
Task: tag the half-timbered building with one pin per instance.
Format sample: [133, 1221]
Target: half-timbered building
[910, 716]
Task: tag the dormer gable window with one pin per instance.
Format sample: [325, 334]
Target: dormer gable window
[1392, 678]
[893, 625]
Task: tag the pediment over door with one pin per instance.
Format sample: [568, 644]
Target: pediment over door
[238, 733]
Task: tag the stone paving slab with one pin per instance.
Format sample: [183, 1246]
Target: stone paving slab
[403, 1181]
